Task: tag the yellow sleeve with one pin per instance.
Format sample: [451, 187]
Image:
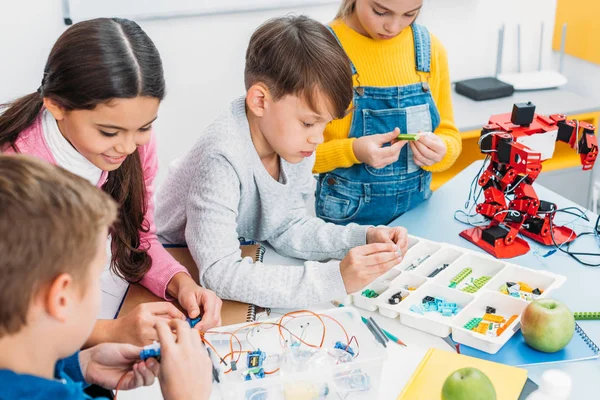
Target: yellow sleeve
[442, 94]
[336, 153]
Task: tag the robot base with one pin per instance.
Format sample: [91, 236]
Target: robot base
[499, 250]
[562, 234]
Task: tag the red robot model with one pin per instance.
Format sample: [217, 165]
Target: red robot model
[516, 144]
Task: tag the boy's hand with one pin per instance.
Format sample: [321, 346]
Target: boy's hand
[197, 301]
[106, 363]
[137, 326]
[185, 368]
[382, 234]
[365, 263]
[428, 150]
[369, 149]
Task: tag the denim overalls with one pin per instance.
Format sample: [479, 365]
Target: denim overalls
[371, 196]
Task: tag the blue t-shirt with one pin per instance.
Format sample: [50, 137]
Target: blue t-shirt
[67, 385]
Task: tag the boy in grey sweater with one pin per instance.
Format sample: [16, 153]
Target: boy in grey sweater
[250, 175]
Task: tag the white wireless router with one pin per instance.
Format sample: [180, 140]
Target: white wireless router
[540, 79]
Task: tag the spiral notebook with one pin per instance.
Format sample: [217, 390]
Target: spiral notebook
[517, 353]
[232, 312]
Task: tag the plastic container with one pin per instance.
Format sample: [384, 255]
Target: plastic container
[543, 280]
[409, 279]
[357, 379]
[420, 250]
[370, 303]
[457, 258]
[505, 306]
[445, 255]
[480, 266]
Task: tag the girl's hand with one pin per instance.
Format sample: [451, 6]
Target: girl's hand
[370, 150]
[137, 326]
[428, 150]
[198, 301]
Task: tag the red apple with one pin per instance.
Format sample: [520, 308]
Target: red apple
[547, 325]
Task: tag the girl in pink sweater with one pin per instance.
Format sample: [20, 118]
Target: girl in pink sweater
[92, 115]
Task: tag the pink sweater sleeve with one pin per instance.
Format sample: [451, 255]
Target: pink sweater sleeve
[164, 266]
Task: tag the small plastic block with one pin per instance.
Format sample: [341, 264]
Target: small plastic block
[506, 325]
[151, 350]
[536, 291]
[369, 293]
[447, 312]
[438, 300]
[412, 288]
[233, 365]
[193, 322]
[416, 309]
[428, 299]
[493, 318]
[472, 323]
[394, 300]
[452, 285]
[513, 289]
[490, 310]
[504, 291]
[525, 287]
[509, 284]
[469, 289]
[516, 294]
[461, 275]
[586, 315]
[482, 280]
[482, 328]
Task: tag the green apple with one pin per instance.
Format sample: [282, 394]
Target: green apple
[468, 384]
[547, 325]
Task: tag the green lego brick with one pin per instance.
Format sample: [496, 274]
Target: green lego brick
[586, 315]
[461, 275]
[479, 282]
[472, 323]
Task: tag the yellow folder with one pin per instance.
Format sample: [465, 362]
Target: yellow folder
[427, 380]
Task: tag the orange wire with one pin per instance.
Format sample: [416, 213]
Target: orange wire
[303, 312]
[120, 383]
[269, 325]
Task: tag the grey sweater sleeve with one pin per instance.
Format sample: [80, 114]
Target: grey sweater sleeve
[310, 238]
[211, 235]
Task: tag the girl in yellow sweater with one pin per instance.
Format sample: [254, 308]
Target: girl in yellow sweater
[402, 85]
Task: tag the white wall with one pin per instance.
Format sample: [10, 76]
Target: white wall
[204, 56]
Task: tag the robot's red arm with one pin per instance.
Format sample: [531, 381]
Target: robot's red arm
[587, 145]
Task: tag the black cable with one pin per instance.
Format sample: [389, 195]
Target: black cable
[575, 254]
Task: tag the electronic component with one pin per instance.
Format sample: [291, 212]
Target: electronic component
[151, 350]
